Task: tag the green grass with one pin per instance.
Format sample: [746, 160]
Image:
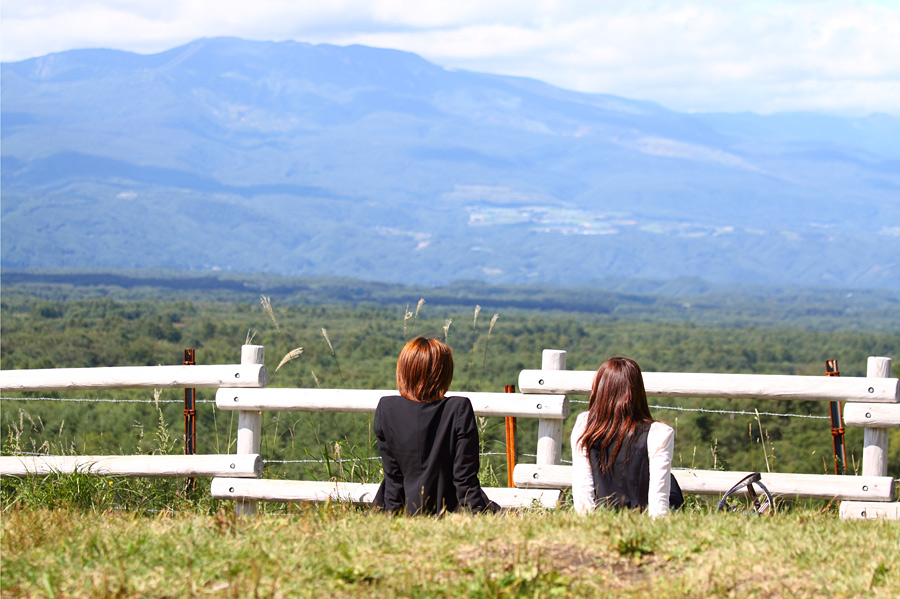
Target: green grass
[339, 551]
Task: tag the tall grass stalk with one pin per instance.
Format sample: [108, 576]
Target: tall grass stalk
[164, 441]
[100, 493]
[447, 324]
[333, 355]
[331, 457]
[762, 439]
[407, 315]
[291, 355]
[471, 361]
[486, 345]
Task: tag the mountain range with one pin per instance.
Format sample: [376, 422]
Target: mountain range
[300, 159]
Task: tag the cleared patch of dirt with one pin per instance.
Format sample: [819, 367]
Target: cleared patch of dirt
[566, 559]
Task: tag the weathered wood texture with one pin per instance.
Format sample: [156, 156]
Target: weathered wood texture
[875, 440]
[715, 482]
[554, 407]
[315, 492]
[870, 510]
[872, 415]
[249, 425]
[196, 466]
[131, 377]
[550, 432]
[743, 386]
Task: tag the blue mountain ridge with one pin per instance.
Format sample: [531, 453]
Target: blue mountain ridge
[299, 159]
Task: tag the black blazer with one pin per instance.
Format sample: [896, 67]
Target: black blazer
[429, 453]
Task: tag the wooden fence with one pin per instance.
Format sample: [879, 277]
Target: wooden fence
[872, 402]
[128, 377]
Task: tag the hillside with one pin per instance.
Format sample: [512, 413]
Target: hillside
[305, 159]
[679, 300]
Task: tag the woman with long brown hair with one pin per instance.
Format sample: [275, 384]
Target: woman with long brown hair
[428, 442]
[621, 456]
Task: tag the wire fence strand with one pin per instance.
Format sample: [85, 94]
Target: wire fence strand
[102, 400]
[574, 401]
[735, 412]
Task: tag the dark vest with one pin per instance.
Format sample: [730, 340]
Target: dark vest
[627, 483]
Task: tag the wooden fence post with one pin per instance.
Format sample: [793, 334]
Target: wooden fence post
[249, 426]
[875, 440]
[550, 432]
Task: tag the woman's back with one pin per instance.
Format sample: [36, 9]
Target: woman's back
[430, 454]
[621, 456]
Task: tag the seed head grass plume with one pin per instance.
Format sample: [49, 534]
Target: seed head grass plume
[333, 355]
[418, 307]
[487, 344]
[266, 302]
[414, 316]
[472, 350]
[406, 316]
[293, 354]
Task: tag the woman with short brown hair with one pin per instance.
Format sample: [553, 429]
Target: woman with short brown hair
[428, 442]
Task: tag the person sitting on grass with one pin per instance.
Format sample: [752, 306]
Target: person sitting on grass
[428, 442]
[621, 456]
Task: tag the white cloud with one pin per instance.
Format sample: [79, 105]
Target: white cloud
[835, 55]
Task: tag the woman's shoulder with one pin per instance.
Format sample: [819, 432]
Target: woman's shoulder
[659, 426]
[578, 428]
[390, 401]
[457, 402]
[659, 431]
[580, 422]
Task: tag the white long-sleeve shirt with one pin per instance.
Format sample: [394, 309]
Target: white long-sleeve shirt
[660, 448]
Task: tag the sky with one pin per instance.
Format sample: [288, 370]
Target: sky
[764, 56]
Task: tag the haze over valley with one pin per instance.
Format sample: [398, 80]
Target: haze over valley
[303, 159]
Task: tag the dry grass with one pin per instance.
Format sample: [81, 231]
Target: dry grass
[336, 551]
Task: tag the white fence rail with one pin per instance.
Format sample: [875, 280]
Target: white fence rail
[366, 400]
[872, 415]
[869, 510]
[130, 377]
[873, 402]
[717, 482]
[195, 466]
[877, 392]
[729, 386]
[315, 491]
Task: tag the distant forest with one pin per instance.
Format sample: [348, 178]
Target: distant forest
[111, 319]
[684, 299]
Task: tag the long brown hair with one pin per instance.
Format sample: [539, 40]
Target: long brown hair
[424, 370]
[618, 408]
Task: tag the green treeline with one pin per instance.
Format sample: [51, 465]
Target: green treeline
[39, 331]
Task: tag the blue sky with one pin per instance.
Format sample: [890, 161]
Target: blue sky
[837, 56]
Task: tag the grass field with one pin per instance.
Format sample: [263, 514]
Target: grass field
[339, 551]
[80, 536]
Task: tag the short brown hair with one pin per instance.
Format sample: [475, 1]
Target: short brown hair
[424, 370]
